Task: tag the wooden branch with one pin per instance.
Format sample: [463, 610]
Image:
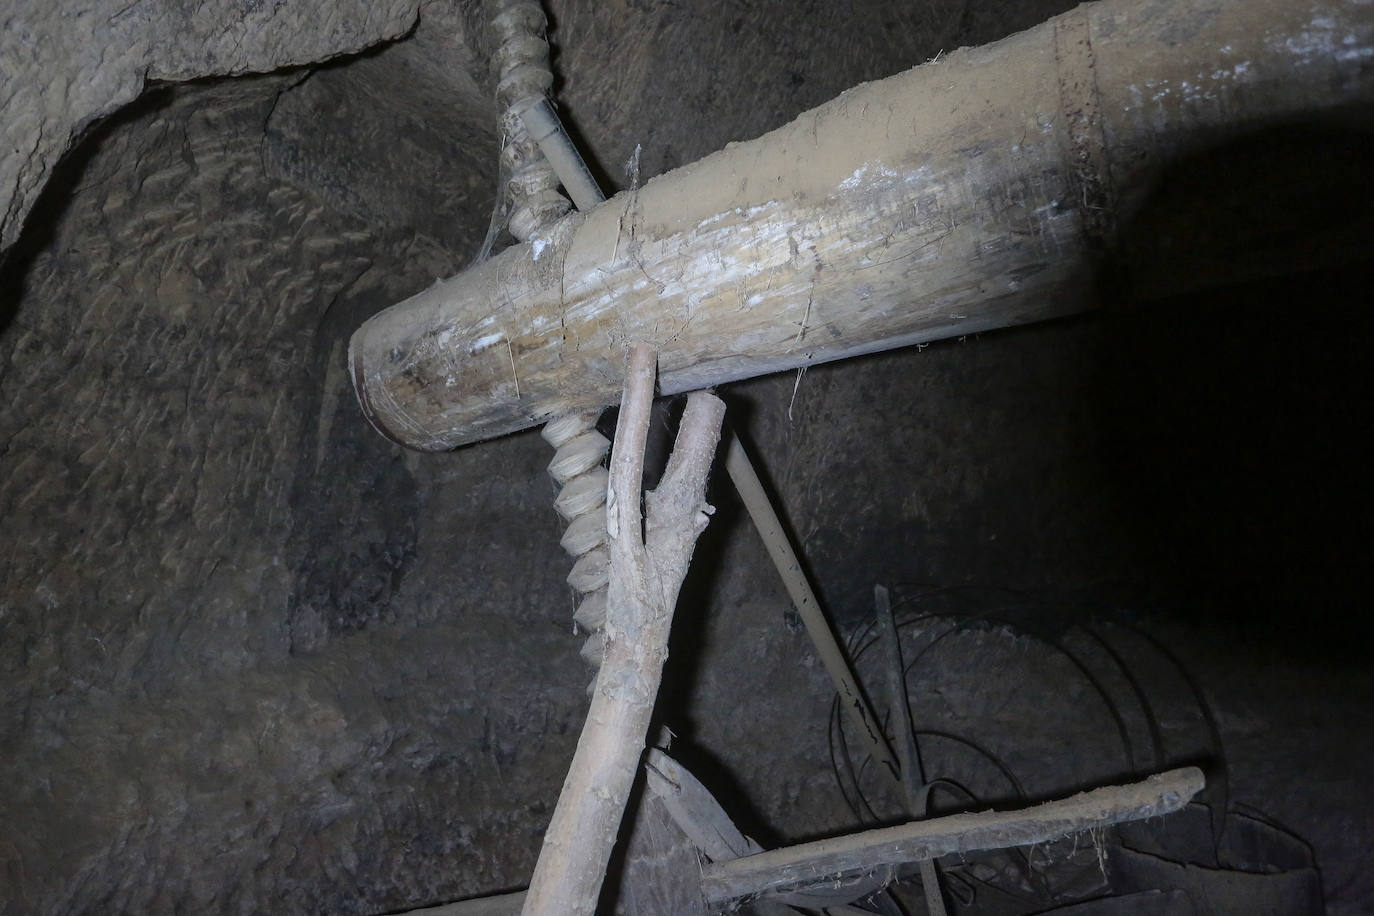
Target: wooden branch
[971, 193]
[854, 703]
[796, 867]
[678, 512]
[624, 522]
[497, 905]
[646, 574]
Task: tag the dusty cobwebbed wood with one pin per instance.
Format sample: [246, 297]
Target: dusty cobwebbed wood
[695, 809]
[971, 193]
[660, 867]
[811, 863]
[649, 552]
[702, 819]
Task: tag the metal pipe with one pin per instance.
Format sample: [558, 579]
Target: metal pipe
[544, 127]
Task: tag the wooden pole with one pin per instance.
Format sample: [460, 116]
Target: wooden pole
[854, 703]
[914, 785]
[824, 860]
[971, 193]
[649, 553]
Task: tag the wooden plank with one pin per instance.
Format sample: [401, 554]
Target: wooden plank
[695, 809]
[796, 867]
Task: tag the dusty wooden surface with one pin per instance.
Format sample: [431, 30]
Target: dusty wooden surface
[650, 552]
[798, 866]
[970, 193]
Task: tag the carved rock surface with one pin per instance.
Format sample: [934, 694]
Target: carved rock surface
[64, 66]
[205, 544]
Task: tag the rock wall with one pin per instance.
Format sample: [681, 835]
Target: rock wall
[62, 68]
[254, 658]
[199, 524]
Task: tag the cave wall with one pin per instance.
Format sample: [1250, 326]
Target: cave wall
[196, 527]
[66, 67]
[255, 658]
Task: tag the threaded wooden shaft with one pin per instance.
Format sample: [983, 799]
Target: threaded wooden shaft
[576, 468]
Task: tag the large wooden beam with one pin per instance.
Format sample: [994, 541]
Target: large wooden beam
[971, 193]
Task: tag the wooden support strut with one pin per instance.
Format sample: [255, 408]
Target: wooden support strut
[915, 789]
[774, 873]
[824, 860]
[854, 703]
[649, 552]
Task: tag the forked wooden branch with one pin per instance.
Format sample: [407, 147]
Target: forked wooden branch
[649, 558]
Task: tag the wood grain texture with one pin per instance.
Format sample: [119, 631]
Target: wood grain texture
[960, 196]
[649, 555]
[823, 860]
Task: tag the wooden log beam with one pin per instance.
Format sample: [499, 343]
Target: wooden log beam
[971, 193]
[795, 867]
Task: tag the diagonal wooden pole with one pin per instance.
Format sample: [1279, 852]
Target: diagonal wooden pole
[853, 701]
